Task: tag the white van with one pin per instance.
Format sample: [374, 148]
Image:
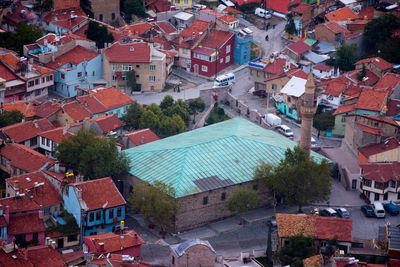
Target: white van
[262, 13]
[313, 142]
[225, 80]
[378, 210]
[285, 130]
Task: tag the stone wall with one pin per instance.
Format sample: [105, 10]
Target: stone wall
[198, 255]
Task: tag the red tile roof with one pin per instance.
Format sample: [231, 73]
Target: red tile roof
[56, 175]
[300, 9]
[382, 171]
[56, 135]
[342, 14]
[110, 97]
[62, 17]
[7, 259]
[42, 70]
[166, 27]
[141, 137]
[44, 256]
[25, 107]
[108, 123]
[216, 38]
[74, 56]
[19, 204]
[323, 67]
[367, 12]
[372, 77]
[393, 107]
[76, 111]
[6, 74]
[92, 104]
[388, 144]
[10, 59]
[197, 27]
[275, 67]
[26, 223]
[370, 130]
[344, 109]
[100, 191]
[227, 18]
[229, 9]
[71, 257]
[377, 61]
[381, 119]
[299, 73]
[139, 28]
[281, 6]
[387, 82]
[47, 109]
[336, 28]
[114, 242]
[25, 158]
[335, 88]
[371, 100]
[299, 47]
[22, 131]
[128, 53]
[328, 228]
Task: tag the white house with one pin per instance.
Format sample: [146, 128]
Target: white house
[323, 71]
[49, 140]
[332, 94]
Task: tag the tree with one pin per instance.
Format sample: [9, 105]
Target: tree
[290, 27]
[156, 110]
[132, 115]
[390, 49]
[297, 248]
[131, 80]
[155, 201]
[299, 179]
[135, 7]
[99, 34]
[196, 105]
[172, 126]
[179, 108]
[92, 156]
[378, 30]
[324, 121]
[167, 102]
[346, 56]
[24, 34]
[10, 117]
[242, 200]
[149, 120]
[362, 73]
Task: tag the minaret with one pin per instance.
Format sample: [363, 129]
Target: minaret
[308, 109]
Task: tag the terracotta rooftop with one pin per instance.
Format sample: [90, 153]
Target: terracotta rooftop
[336, 28]
[300, 9]
[76, 111]
[56, 175]
[108, 123]
[381, 171]
[139, 28]
[277, 66]
[74, 56]
[299, 47]
[386, 120]
[323, 67]
[62, 17]
[216, 38]
[282, 6]
[387, 82]
[227, 18]
[25, 158]
[344, 109]
[56, 135]
[110, 98]
[232, 10]
[91, 104]
[27, 108]
[372, 77]
[6, 73]
[329, 227]
[370, 130]
[71, 257]
[393, 108]
[128, 53]
[313, 261]
[342, 14]
[166, 27]
[23, 131]
[388, 144]
[19, 204]
[141, 137]
[44, 256]
[100, 191]
[26, 223]
[14, 259]
[335, 88]
[10, 60]
[47, 109]
[294, 224]
[115, 242]
[371, 100]
[377, 61]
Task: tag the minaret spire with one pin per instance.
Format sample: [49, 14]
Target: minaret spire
[308, 109]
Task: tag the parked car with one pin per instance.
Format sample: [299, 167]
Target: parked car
[379, 210]
[368, 211]
[285, 130]
[328, 212]
[391, 208]
[260, 93]
[343, 213]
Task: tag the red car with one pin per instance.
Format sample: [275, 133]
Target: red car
[260, 93]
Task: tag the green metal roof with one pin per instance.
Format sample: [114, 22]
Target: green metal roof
[309, 41]
[214, 156]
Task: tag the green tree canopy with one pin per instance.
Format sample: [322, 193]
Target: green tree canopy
[99, 34]
[24, 34]
[167, 102]
[149, 120]
[378, 30]
[156, 202]
[156, 110]
[10, 117]
[172, 126]
[196, 105]
[131, 80]
[179, 108]
[242, 200]
[390, 49]
[324, 121]
[92, 156]
[132, 116]
[297, 177]
[346, 56]
[296, 249]
[290, 27]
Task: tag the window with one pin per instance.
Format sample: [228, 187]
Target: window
[79, 74]
[38, 92]
[91, 217]
[204, 68]
[114, 78]
[93, 73]
[221, 61]
[152, 67]
[378, 185]
[138, 66]
[114, 67]
[47, 142]
[354, 184]
[31, 83]
[228, 49]
[119, 212]
[3, 161]
[223, 196]
[98, 215]
[274, 86]
[62, 76]
[398, 195]
[385, 196]
[110, 213]
[177, 1]
[112, 16]
[101, 17]
[205, 200]
[72, 238]
[137, 76]
[343, 119]
[392, 184]
[152, 78]
[51, 77]
[173, 260]
[126, 67]
[33, 141]
[43, 80]
[227, 59]
[21, 172]
[186, 2]
[124, 78]
[367, 182]
[36, 81]
[376, 197]
[43, 140]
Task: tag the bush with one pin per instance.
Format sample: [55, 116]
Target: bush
[217, 114]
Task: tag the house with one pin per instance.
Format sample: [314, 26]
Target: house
[210, 15]
[393, 109]
[72, 112]
[331, 96]
[119, 260]
[79, 67]
[97, 205]
[340, 118]
[192, 252]
[25, 133]
[105, 100]
[64, 4]
[242, 50]
[168, 30]
[379, 181]
[214, 53]
[296, 50]
[377, 65]
[11, 86]
[369, 79]
[302, 17]
[182, 20]
[125, 243]
[65, 20]
[342, 15]
[19, 14]
[275, 83]
[391, 238]
[292, 99]
[371, 102]
[202, 193]
[137, 138]
[282, 6]
[27, 108]
[319, 227]
[390, 82]
[17, 159]
[105, 11]
[49, 140]
[44, 255]
[48, 110]
[323, 71]
[36, 79]
[226, 22]
[147, 63]
[105, 125]
[331, 32]
[387, 151]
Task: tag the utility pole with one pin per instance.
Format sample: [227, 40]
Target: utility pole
[216, 61]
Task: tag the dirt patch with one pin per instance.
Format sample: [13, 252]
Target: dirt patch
[260, 22]
[173, 82]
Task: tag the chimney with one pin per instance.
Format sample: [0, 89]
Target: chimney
[57, 167]
[101, 246]
[66, 128]
[41, 212]
[86, 123]
[48, 241]
[7, 216]
[53, 244]
[142, 139]
[16, 187]
[79, 193]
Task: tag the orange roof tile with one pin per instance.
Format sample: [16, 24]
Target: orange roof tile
[336, 28]
[10, 59]
[393, 108]
[27, 108]
[111, 98]
[300, 9]
[196, 27]
[14, 259]
[139, 28]
[370, 130]
[22, 131]
[108, 123]
[275, 67]
[19, 204]
[282, 6]
[313, 261]
[342, 14]
[335, 88]
[381, 119]
[128, 53]
[47, 109]
[42, 70]
[141, 137]
[26, 223]
[44, 124]
[294, 224]
[166, 27]
[74, 56]
[100, 191]
[388, 144]
[114, 242]
[6, 73]
[323, 67]
[377, 61]
[381, 171]
[387, 82]
[344, 109]
[44, 256]
[56, 135]
[76, 111]
[299, 47]
[229, 9]
[25, 158]
[92, 104]
[371, 100]
[328, 228]
[227, 18]
[70, 257]
[372, 77]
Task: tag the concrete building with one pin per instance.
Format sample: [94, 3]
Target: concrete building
[387, 151]
[308, 108]
[148, 64]
[212, 162]
[340, 118]
[292, 98]
[194, 252]
[377, 65]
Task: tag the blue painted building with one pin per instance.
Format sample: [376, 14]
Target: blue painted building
[97, 205]
[242, 46]
[78, 68]
[3, 230]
